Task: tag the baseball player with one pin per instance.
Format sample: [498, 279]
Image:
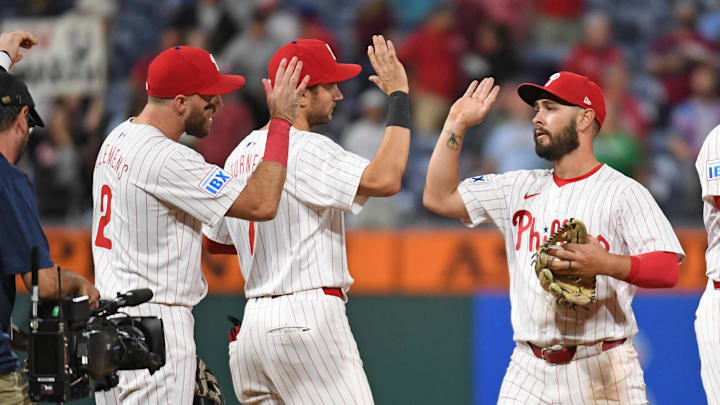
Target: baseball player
[563, 354]
[151, 194]
[295, 345]
[708, 312]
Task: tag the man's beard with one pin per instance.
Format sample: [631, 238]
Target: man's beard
[562, 143]
[196, 124]
[316, 115]
[22, 147]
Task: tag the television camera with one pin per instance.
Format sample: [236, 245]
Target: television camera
[74, 351]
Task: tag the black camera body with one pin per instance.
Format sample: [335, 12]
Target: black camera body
[74, 352]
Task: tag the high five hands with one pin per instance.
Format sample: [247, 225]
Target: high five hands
[390, 74]
[473, 106]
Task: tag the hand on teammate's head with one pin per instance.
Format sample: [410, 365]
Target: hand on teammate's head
[11, 42]
[283, 95]
[390, 73]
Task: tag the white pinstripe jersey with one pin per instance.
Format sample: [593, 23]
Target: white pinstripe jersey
[529, 205]
[304, 246]
[150, 197]
[708, 168]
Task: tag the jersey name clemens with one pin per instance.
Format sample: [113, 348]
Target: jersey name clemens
[111, 156]
[524, 222]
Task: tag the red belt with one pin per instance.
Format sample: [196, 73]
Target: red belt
[327, 290]
[716, 284]
[566, 354]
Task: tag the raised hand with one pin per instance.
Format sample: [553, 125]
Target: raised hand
[283, 98]
[473, 106]
[11, 42]
[391, 76]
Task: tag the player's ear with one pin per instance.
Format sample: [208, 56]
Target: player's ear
[20, 124]
[306, 97]
[585, 120]
[180, 104]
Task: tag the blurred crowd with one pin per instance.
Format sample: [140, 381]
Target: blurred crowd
[656, 60]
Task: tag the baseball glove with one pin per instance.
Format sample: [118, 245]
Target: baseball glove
[570, 290]
[207, 389]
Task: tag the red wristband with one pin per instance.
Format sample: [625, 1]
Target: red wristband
[654, 270]
[278, 140]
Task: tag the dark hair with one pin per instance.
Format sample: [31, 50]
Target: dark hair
[8, 115]
[314, 88]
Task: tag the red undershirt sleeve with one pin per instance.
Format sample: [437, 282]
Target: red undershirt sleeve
[218, 248]
[654, 270]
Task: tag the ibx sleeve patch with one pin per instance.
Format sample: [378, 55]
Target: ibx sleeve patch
[214, 182]
[713, 169]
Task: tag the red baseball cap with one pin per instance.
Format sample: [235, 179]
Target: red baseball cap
[570, 87]
[318, 61]
[188, 70]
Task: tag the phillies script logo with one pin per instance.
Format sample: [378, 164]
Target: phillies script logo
[525, 223]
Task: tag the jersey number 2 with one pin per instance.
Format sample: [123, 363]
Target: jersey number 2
[100, 239]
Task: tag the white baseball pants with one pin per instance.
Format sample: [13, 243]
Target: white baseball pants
[297, 349]
[602, 378]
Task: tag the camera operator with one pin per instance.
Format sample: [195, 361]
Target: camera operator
[19, 218]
